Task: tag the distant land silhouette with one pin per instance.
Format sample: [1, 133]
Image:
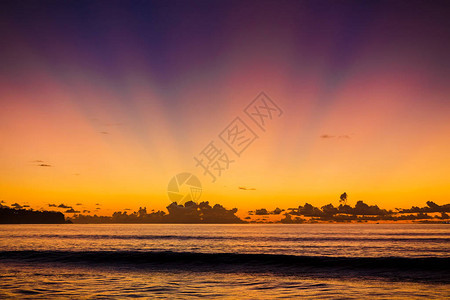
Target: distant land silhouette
[363, 212]
[189, 213]
[193, 213]
[27, 216]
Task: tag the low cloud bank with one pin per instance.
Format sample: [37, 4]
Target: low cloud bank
[190, 212]
[363, 212]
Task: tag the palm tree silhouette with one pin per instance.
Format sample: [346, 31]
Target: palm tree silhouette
[343, 198]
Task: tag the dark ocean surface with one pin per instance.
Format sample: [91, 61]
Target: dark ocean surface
[345, 261]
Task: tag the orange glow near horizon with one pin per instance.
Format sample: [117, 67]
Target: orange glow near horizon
[391, 151]
[377, 128]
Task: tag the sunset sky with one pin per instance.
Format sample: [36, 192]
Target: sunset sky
[103, 102]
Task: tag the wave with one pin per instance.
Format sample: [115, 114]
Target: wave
[248, 238]
[431, 269]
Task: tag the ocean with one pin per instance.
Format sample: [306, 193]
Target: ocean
[248, 261]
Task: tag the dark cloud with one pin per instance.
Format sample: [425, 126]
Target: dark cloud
[72, 211]
[52, 205]
[431, 207]
[104, 128]
[200, 213]
[26, 205]
[246, 188]
[64, 206]
[16, 205]
[340, 213]
[97, 203]
[261, 212]
[277, 211]
[41, 163]
[78, 204]
[362, 208]
[190, 212]
[327, 136]
[307, 210]
[265, 212]
[289, 220]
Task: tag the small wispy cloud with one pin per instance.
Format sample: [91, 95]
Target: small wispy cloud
[326, 136]
[72, 211]
[246, 188]
[105, 127]
[329, 136]
[64, 206]
[41, 163]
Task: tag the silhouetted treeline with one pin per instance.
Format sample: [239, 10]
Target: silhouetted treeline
[361, 212]
[27, 216]
[328, 211]
[430, 208]
[203, 212]
[351, 218]
[190, 212]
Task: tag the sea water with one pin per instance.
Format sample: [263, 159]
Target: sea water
[245, 261]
